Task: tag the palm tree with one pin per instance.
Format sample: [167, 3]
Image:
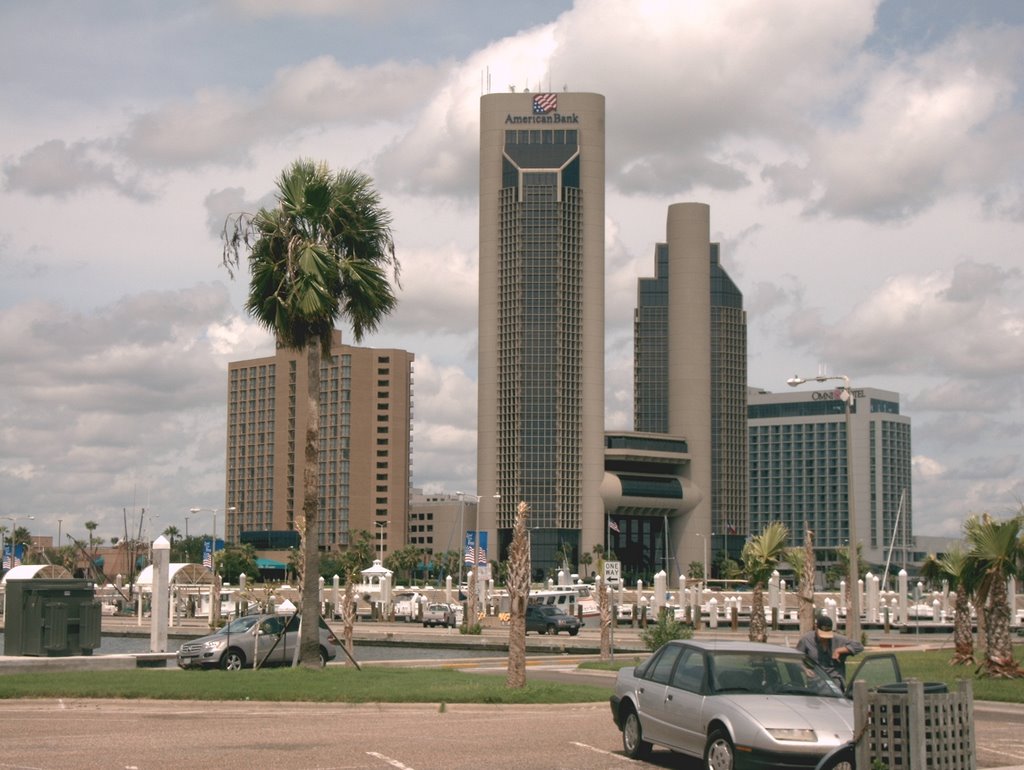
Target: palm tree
[321, 255]
[93, 540]
[960, 570]
[803, 563]
[585, 561]
[170, 533]
[353, 561]
[761, 555]
[843, 559]
[997, 551]
[518, 595]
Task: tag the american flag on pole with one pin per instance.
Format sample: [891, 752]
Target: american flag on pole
[17, 552]
[481, 549]
[613, 526]
[469, 552]
[208, 554]
[544, 103]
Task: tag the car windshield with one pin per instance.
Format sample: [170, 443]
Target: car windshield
[239, 625]
[769, 673]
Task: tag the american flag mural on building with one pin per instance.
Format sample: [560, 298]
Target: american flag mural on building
[545, 103]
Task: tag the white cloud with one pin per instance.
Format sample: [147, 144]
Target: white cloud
[867, 188]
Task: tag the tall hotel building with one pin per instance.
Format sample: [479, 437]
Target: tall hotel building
[365, 447]
[541, 357]
[690, 368]
[798, 468]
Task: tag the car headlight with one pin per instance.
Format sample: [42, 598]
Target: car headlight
[214, 644]
[791, 734]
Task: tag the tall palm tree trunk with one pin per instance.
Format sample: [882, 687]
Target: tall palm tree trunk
[963, 639]
[348, 617]
[309, 641]
[805, 610]
[758, 627]
[471, 596]
[999, 655]
[604, 611]
[518, 594]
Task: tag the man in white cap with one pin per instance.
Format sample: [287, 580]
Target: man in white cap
[828, 649]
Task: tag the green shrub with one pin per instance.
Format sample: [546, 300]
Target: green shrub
[665, 630]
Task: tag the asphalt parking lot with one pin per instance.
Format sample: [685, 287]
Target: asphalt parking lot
[87, 734]
[52, 735]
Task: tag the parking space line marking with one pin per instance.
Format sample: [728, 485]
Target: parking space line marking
[600, 751]
[389, 760]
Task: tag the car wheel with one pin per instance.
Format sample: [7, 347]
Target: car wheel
[232, 660]
[323, 657]
[719, 753]
[843, 758]
[552, 630]
[425, 624]
[633, 737]
[573, 631]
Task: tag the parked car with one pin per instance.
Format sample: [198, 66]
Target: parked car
[738, 704]
[439, 615]
[546, 619]
[263, 640]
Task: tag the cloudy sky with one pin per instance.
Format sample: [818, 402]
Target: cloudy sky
[864, 164]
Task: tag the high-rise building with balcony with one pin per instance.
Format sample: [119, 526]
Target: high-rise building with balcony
[365, 447]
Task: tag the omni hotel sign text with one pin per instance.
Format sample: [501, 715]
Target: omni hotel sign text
[834, 395]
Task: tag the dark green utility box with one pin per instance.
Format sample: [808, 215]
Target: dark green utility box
[51, 617]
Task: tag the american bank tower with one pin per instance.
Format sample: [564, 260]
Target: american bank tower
[541, 346]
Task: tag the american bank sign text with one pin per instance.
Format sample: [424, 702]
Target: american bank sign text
[550, 118]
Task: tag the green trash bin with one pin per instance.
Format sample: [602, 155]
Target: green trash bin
[51, 617]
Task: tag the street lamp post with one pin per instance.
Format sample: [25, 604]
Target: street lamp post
[853, 578]
[462, 526]
[705, 539]
[380, 538]
[14, 537]
[213, 547]
[215, 587]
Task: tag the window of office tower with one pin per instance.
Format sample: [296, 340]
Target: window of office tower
[539, 324]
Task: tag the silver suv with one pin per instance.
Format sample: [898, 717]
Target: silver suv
[266, 640]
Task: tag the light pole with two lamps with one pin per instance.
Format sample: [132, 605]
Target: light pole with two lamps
[213, 547]
[462, 525]
[853, 578]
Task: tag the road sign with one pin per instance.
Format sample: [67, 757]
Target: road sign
[612, 571]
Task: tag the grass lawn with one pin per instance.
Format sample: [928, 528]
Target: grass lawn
[930, 666]
[333, 684]
[385, 684]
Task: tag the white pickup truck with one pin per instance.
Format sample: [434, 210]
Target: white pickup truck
[439, 615]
